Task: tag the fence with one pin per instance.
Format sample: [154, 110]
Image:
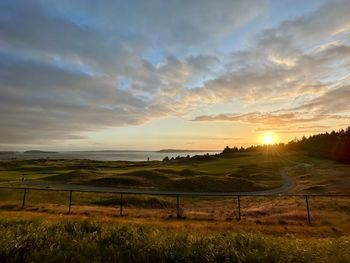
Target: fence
[177, 195]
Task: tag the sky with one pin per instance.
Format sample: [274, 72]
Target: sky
[149, 75]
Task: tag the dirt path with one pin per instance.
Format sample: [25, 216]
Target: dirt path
[288, 185]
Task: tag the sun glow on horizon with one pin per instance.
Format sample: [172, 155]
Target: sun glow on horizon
[269, 138]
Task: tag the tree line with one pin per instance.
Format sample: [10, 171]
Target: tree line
[334, 145]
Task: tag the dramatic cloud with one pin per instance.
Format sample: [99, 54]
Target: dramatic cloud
[326, 108]
[267, 73]
[297, 129]
[272, 119]
[281, 66]
[72, 67]
[335, 100]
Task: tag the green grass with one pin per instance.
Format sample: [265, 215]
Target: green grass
[229, 173]
[90, 241]
[36, 199]
[242, 172]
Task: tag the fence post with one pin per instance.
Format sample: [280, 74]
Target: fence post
[238, 208]
[24, 197]
[308, 210]
[121, 205]
[70, 200]
[178, 207]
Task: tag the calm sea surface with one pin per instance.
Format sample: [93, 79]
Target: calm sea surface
[100, 156]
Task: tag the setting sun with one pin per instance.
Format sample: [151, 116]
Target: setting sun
[268, 139]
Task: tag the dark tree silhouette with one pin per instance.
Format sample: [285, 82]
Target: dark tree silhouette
[334, 146]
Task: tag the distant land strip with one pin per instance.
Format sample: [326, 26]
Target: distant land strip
[184, 151]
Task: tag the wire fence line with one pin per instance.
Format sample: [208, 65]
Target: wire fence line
[122, 193]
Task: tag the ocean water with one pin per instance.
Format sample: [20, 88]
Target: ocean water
[100, 155]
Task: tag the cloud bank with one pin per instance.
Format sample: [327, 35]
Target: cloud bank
[67, 68]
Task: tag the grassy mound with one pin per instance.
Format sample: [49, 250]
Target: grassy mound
[148, 175]
[120, 181]
[71, 176]
[138, 178]
[182, 172]
[208, 183]
[247, 173]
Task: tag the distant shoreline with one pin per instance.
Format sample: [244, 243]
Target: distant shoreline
[38, 152]
[101, 155]
[109, 151]
[184, 151]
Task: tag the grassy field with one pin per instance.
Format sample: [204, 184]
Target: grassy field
[236, 172]
[32, 240]
[270, 229]
[329, 216]
[321, 176]
[226, 173]
[239, 172]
